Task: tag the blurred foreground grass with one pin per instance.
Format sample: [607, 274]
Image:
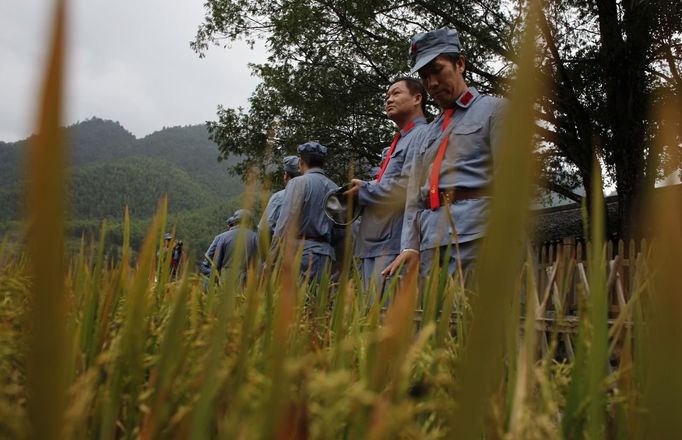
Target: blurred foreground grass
[95, 349]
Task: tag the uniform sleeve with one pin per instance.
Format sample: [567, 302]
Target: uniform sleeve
[274, 214]
[220, 253]
[389, 192]
[210, 252]
[252, 248]
[264, 222]
[496, 122]
[410, 232]
[291, 207]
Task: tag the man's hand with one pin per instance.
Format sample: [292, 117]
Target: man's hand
[355, 185]
[409, 257]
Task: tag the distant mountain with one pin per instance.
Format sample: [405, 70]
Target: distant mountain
[103, 189]
[111, 168]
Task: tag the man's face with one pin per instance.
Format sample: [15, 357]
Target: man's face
[400, 103]
[444, 80]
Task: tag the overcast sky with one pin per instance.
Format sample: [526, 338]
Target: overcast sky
[129, 60]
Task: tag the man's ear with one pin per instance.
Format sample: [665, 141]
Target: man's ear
[461, 63]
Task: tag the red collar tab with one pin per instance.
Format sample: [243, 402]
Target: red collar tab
[407, 128]
[465, 100]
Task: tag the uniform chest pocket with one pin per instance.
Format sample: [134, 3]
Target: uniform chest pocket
[398, 152]
[467, 139]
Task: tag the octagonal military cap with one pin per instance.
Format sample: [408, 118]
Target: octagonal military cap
[426, 46]
[341, 208]
[312, 149]
[291, 165]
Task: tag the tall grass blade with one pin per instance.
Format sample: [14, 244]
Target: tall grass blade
[502, 250]
[49, 346]
[597, 313]
[663, 381]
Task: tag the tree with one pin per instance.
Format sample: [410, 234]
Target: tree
[608, 62]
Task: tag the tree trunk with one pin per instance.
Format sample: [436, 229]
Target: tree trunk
[624, 63]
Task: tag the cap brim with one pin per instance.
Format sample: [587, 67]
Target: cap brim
[423, 61]
[335, 210]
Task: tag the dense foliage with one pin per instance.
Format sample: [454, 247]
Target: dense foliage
[607, 64]
[90, 348]
[111, 169]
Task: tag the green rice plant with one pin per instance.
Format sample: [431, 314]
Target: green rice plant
[96, 348]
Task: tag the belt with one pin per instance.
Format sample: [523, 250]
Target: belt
[450, 195]
[317, 239]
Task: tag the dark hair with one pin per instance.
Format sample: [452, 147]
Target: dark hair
[453, 57]
[415, 87]
[292, 175]
[313, 161]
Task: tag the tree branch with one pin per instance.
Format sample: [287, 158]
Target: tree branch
[563, 191]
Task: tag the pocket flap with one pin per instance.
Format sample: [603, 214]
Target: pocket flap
[466, 128]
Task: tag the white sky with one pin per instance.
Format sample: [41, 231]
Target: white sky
[129, 61]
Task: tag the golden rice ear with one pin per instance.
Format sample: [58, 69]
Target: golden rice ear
[49, 349]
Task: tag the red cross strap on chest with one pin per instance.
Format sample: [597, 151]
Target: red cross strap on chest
[434, 197]
[409, 126]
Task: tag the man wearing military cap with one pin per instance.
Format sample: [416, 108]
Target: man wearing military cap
[302, 221]
[271, 213]
[453, 167]
[383, 199]
[226, 250]
[209, 255]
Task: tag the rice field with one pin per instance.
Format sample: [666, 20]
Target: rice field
[92, 347]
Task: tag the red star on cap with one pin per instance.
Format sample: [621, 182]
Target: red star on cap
[413, 48]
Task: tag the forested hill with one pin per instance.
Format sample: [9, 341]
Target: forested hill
[110, 168]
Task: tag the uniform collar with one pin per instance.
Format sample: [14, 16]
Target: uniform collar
[468, 97]
[413, 123]
[315, 171]
[464, 101]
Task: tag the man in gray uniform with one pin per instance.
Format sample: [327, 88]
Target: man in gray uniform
[453, 166]
[302, 221]
[383, 199]
[271, 213]
[225, 252]
[209, 255]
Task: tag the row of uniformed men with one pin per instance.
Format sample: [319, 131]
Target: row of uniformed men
[429, 168]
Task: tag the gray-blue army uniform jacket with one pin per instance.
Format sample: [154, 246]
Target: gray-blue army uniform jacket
[226, 247]
[302, 210]
[380, 229]
[210, 254]
[473, 132]
[271, 213]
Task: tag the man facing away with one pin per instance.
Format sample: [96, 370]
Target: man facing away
[271, 213]
[383, 199]
[227, 254]
[302, 221]
[453, 166]
[209, 255]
